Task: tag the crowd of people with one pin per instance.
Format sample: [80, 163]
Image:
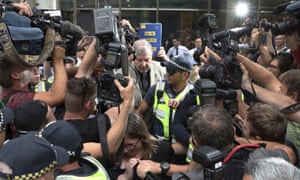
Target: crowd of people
[51, 112]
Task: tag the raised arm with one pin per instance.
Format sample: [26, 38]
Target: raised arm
[116, 133]
[270, 97]
[58, 89]
[88, 63]
[260, 74]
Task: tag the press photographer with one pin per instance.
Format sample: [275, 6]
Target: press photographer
[218, 51]
[211, 126]
[34, 35]
[292, 8]
[113, 39]
[16, 72]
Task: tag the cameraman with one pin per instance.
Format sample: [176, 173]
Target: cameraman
[80, 103]
[211, 126]
[16, 79]
[281, 92]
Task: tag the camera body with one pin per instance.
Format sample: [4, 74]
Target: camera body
[225, 74]
[108, 93]
[230, 102]
[292, 7]
[211, 159]
[111, 38]
[282, 27]
[28, 34]
[206, 89]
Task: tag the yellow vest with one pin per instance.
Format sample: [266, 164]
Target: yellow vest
[101, 173]
[161, 109]
[40, 87]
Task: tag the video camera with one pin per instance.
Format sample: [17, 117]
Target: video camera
[208, 22]
[112, 38]
[70, 33]
[21, 35]
[225, 74]
[209, 93]
[292, 7]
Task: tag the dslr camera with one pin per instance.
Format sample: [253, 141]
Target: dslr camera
[211, 159]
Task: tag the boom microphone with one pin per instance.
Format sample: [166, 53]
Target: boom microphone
[69, 30]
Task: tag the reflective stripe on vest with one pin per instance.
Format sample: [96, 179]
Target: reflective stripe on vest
[101, 173]
[189, 154]
[161, 108]
[40, 87]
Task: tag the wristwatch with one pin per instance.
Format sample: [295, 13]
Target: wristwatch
[164, 166]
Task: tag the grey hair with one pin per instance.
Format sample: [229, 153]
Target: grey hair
[272, 168]
[142, 46]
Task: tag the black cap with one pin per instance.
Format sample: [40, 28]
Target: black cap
[62, 133]
[31, 115]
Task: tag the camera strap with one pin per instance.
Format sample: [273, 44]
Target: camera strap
[9, 49]
[237, 148]
[103, 140]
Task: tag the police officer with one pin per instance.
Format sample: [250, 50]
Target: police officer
[81, 165]
[165, 97]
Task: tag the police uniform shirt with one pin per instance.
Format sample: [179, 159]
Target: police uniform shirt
[180, 127]
[85, 169]
[157, 128]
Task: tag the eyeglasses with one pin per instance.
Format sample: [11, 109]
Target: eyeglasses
[132, 146]
[85, 85]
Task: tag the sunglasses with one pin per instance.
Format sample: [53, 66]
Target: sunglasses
[172, 71]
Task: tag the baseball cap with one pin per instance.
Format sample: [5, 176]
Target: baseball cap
[6, 116]
[183, 62]
[30, 157]
[30, 115]
[62, 133]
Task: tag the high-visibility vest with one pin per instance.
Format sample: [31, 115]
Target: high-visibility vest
[161, 109]
[100, 174]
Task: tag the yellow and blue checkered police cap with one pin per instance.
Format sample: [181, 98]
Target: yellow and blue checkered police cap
[30, 156]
